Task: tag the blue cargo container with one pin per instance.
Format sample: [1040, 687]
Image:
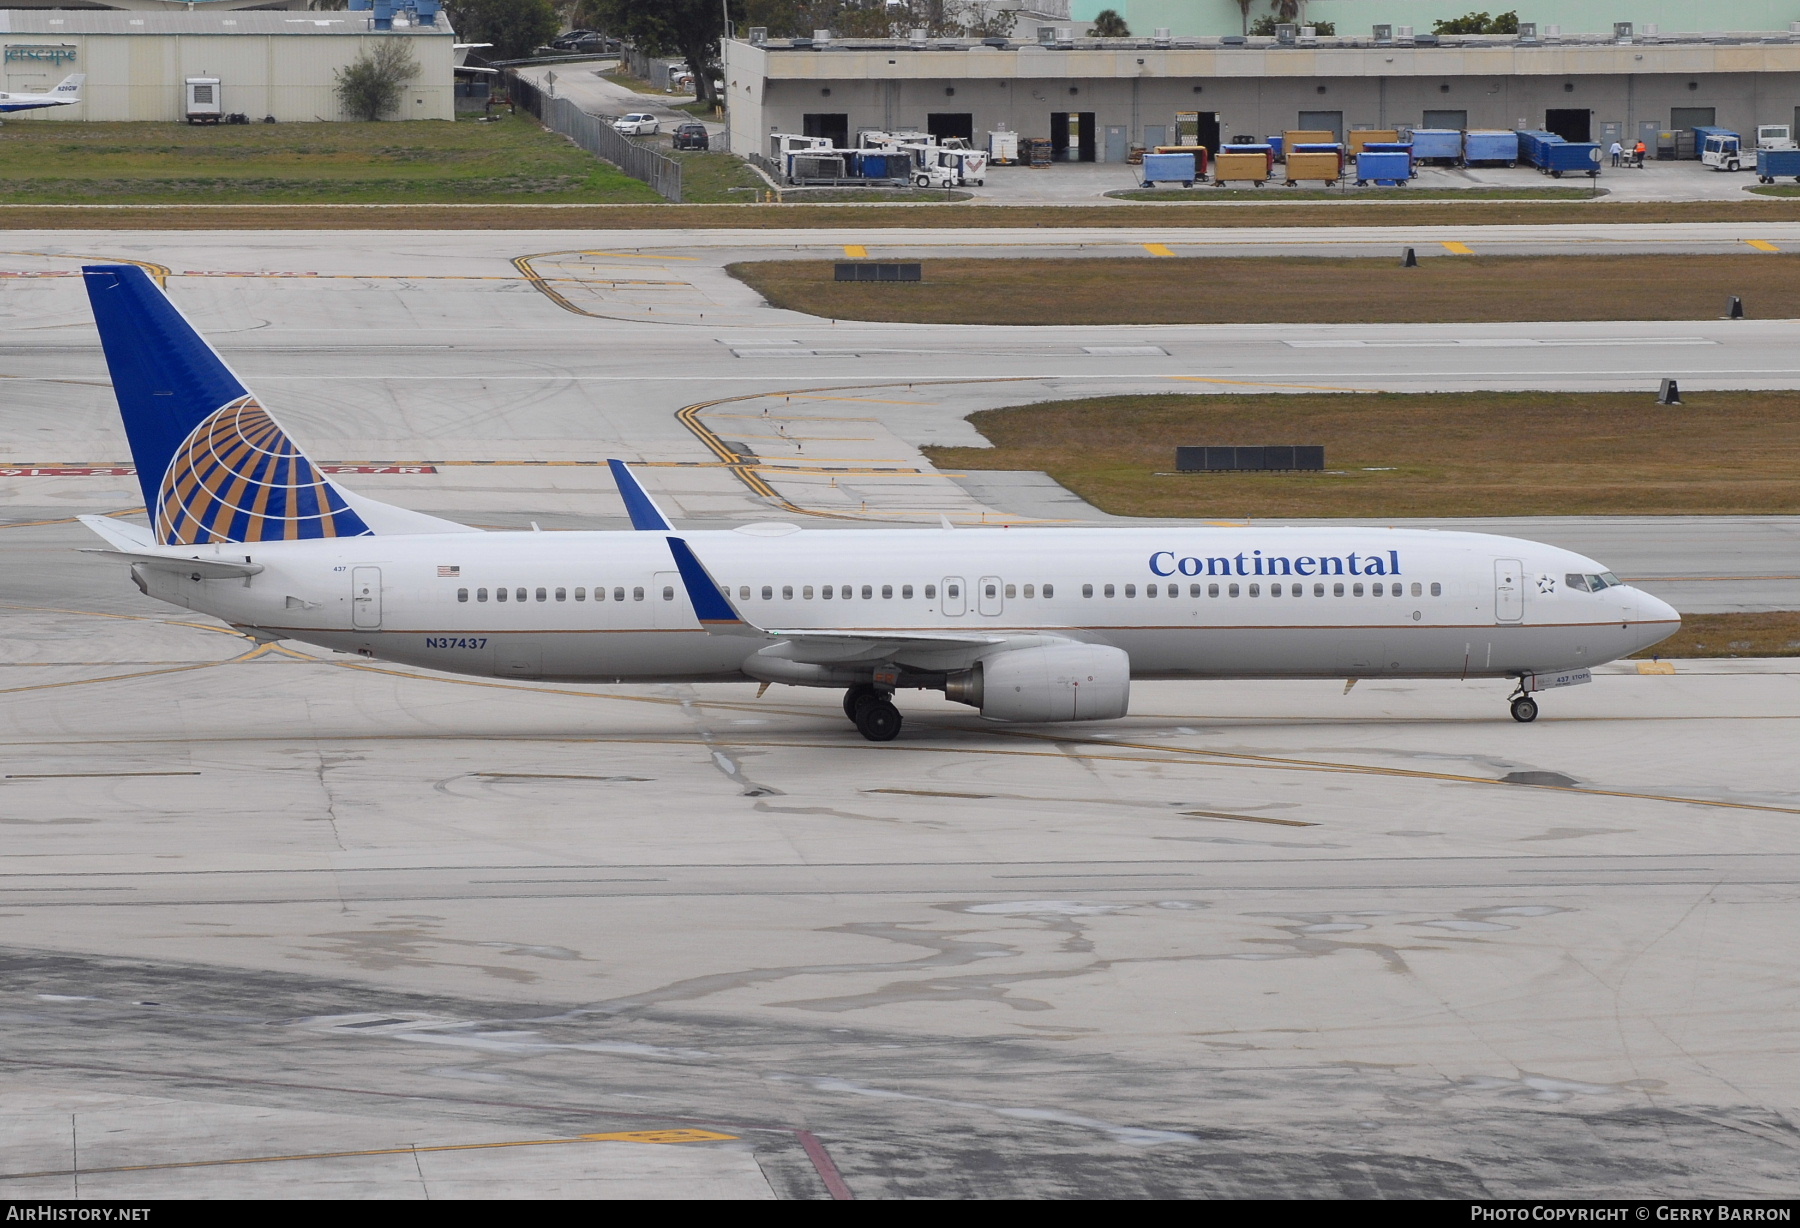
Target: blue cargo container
[1387, 168]
[1773, 164]
[1534, 146]
[1572, 158]
[1490, 146]
[1399, 147]
[1437, 145]
[1275, 144]
[1168, 168]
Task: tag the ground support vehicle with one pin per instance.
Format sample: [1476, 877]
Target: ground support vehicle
[938, 167]
[1003, 148]
[1385, 168]
[1723, 150]
[1572, 157]
[1322, 162]
[1775, 136]
[1490, 147]
[1773, 164]
[1442, 145]
[1168, 168]
[1235, 163]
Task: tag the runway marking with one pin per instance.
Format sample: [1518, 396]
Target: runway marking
[1247, 818]
[1158, 249]
[1762, 245]
[1251, 383]
[856, 251]
[629, 1136]
[1458, 249]
[86, 775]
[159, 273]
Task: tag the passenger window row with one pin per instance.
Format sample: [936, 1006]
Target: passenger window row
[1397, 589]
[560, 594]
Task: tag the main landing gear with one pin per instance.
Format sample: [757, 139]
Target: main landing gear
[873, 712]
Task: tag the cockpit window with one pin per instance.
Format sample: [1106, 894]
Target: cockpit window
[1576, 582]
[1610, 579]
[1590, 584]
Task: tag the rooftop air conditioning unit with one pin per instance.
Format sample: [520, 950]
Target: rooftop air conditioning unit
[1285, 34]
[1046, 35]
[1622, 31]
[1528, 32]
[1552, 31]
[821, 37]
[759, 36]
[1384, 34]
[916, 36]
[1065, 34]
[1403, 33]
[1161, 36]
[1652, 28]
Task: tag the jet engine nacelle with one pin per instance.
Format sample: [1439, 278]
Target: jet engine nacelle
[1055, 682]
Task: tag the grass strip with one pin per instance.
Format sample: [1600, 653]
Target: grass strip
[604, 216]
[1403, 455]
[1291, 289]
[1772, 634]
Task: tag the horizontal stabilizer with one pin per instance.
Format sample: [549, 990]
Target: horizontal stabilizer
[206, 569]
[119, 534]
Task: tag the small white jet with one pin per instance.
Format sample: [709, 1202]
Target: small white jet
[1038, 625]
[66, 94]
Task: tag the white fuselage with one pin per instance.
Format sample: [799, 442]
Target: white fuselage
[1182, 602]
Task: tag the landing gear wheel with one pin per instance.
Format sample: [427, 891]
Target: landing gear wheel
[877, 719]
[1524, 709]
[855, 695]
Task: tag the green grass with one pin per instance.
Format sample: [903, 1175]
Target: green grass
[512, 161]
[1275, 194]
[1776, 189]
[716, 178]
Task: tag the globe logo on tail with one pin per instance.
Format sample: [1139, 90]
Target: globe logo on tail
[239, 478]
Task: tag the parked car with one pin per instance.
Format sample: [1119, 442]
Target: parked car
[586, 41]
[692, 136]
[638, 123]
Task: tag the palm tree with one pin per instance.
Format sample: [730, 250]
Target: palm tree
[1244, 7]
[1108, 24]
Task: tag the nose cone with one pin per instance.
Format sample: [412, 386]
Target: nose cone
[1656, 620]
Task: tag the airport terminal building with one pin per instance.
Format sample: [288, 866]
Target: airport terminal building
[1095, 98]
[265, 62]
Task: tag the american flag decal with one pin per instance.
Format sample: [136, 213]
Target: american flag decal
[448, 573]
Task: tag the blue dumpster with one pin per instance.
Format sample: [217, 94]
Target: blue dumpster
[1385, 168]
[1490, 146]
[1168, 168]
[1572, 158]
[1773, 164]
[1437, 145]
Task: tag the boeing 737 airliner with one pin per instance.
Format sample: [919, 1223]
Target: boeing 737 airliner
[1034, 625]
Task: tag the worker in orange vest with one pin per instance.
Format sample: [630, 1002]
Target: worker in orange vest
[1637, 155]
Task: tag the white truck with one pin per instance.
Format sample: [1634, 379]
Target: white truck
[1775, 136]
[935, 166]
[1723, 149]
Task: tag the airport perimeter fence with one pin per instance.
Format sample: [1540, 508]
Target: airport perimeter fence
[595, 134]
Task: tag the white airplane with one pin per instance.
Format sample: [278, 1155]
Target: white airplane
[66, 94]
[1033, 625]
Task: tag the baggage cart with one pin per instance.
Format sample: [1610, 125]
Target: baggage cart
[1490, 147]
[1236, 163]
[1202, 157]
[1534, 145]
[1359, 137]
[1443, 145]
[1773, 164]
[1275, 143]
[1003, 148]
[1037, 151]
[1322, 162]
[1573, 158]
[1305, 136]
[1385, 168]
[1168, 168]
[1399, 147]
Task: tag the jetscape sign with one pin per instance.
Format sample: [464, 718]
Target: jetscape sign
[1256, 563]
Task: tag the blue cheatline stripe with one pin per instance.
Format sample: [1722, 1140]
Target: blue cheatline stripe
[644, 514]
[710, 605]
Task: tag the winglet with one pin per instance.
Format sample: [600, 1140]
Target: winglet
[645, 515]
[711, 605]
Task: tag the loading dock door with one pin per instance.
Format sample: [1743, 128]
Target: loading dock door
[834, 127]
[1072, 136]
[1197, 128]
[1456, 121]
[1320, 121]
[1570, 124]
[948, 124]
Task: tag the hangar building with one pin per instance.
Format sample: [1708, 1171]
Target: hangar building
[267, 63]
[1094, 98]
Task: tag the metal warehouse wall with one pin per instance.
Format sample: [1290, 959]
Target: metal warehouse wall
[289, 76]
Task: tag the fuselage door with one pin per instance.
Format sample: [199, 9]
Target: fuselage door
[1509, 590]
[365, 597]
[987, 596]
[955, 600]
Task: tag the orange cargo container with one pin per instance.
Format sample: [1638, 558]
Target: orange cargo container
[1321, 164]
[1241, 166]
[1362, 136]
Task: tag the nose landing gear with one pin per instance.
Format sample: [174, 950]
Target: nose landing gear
[1524, 709]
[873, 712]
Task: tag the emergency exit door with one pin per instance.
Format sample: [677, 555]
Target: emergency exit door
[1509, 590]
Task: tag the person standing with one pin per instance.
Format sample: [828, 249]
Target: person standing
[1618, 153]
[1637, 154]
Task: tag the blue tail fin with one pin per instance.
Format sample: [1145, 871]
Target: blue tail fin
[214, 466]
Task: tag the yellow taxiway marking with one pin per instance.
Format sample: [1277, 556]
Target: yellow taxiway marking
[1762, 245]
[1656, 667]
[856, 251]
[1158, 249]
[1458, 249]
[629, 1136]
